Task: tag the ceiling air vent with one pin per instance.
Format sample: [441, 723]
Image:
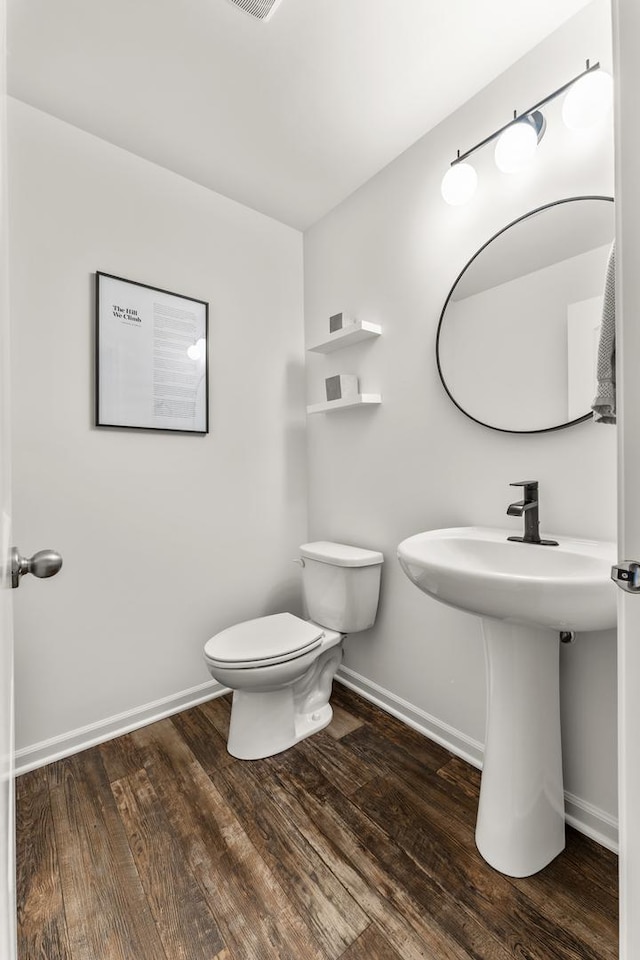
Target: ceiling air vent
[260, 9]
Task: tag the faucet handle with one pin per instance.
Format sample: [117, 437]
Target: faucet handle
[525, 483]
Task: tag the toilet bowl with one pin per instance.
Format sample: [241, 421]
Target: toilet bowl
[283, 696]
[280, 667]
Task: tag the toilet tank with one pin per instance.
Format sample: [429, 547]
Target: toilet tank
[341, 585]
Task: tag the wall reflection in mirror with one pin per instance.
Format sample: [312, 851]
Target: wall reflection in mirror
[518, 335]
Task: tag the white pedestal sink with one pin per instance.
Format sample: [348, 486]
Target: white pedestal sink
[525, 594]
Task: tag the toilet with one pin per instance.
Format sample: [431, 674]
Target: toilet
[281, 668]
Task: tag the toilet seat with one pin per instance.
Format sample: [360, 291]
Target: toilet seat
[263, 642]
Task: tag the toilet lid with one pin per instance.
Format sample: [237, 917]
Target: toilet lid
[264, 641]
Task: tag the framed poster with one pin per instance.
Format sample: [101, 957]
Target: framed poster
[151, 358]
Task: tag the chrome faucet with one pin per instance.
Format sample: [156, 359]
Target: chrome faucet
[529, 508]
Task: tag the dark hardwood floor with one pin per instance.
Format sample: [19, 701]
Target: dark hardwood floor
[357, 843]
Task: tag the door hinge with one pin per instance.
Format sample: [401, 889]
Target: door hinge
[627, 575]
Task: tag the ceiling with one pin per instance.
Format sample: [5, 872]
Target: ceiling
[288, 116]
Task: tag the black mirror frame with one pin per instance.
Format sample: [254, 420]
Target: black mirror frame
[525, 216]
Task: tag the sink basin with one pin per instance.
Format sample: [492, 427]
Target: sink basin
[477, 569]
[525, 595]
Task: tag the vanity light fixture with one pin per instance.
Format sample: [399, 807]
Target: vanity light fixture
[588, 100]
[517, 145]
[459, 183]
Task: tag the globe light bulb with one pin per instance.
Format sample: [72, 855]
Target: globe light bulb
[516, 147]
[588, 101]
[197, 350]
[459, 184]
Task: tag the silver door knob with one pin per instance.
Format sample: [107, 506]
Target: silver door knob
[44, 563]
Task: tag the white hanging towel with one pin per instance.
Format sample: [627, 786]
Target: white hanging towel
[604, 404]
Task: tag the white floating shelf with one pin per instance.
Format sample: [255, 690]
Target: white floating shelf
[353, 333]
[359, 401]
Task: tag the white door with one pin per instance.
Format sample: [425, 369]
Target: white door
[627, 59]
[7, 852]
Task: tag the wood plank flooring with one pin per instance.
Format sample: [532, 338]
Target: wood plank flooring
[355, 844]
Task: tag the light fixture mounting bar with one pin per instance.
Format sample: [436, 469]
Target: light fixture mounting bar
[525, 113]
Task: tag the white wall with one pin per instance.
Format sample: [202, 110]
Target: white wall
[166, 538]
[389, 254]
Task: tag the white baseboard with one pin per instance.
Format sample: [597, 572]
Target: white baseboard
[448, 737]
[585, 817]
[592, 821]
[39, 754]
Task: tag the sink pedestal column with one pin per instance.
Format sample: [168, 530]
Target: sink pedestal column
[520, 826]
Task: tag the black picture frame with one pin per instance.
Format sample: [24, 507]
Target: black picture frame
[152, 358]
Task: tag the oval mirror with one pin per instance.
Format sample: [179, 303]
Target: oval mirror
[518, 335]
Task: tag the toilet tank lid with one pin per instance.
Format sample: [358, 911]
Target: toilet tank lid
[340, 554]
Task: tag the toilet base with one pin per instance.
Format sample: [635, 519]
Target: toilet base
[266, 722]
[263, 724]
